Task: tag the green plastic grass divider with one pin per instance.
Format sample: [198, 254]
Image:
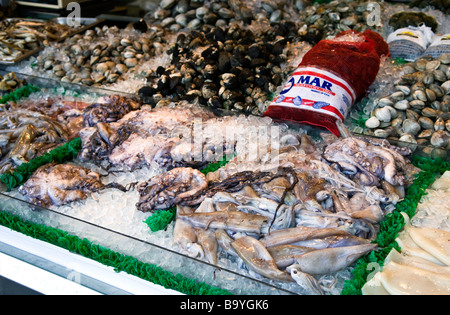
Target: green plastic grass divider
[119, 262]
[394, 222]
[19, 93]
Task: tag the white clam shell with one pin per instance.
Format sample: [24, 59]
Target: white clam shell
[383, 114]
[372, 123]
[402, 105]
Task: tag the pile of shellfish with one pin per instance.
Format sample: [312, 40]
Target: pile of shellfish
[322, 21]
[417, 112]
[101, 56]
[230, 68]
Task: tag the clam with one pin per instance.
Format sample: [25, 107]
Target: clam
[437, 89]
[446, 87]
[425, 134]
[436, 105]
[440, 139]
[408, 69]
[417, 104]
[383, 114]
[432, 65]
[430, 95]
[410, 139]
[411, 126]
[131, 62]
[428, 78]
[126, 42]
[397, 96]
[419, 95]
[372, 122]
[402, 105]
[426, 122]
[385, 101]
[439, 124]
[404, 89]
[429, 112]
[444, 58]
[421, 64]
[381, 133]
[439, 75]
[411, 114]
[396, 123]
[121, 68]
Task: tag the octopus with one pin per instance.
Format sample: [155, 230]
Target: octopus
[282, 219]
[109, 109]
[370, 161]
[140, 138]
[25, 134]
[182, 186]
[59, 184]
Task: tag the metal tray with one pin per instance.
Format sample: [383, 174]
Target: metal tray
[86, 23]
[24, 54]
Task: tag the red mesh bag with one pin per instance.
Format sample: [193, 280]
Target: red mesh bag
[331, 77]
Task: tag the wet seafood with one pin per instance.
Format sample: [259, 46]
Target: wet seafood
[27, 134]
[101, 56]
[185, 236]
[19, 36]
[418, 108]
[329, 260]
[323, 21]
[236, 221]
[323, 204]
[257, 257]
[305, 280]
[229, 68]
[296, 234]
[59, 184]
[374, 160]
[109, 109]
[405, 19]
[180, 186]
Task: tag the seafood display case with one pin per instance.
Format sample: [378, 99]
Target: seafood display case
[98, 146]
[124, 242]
